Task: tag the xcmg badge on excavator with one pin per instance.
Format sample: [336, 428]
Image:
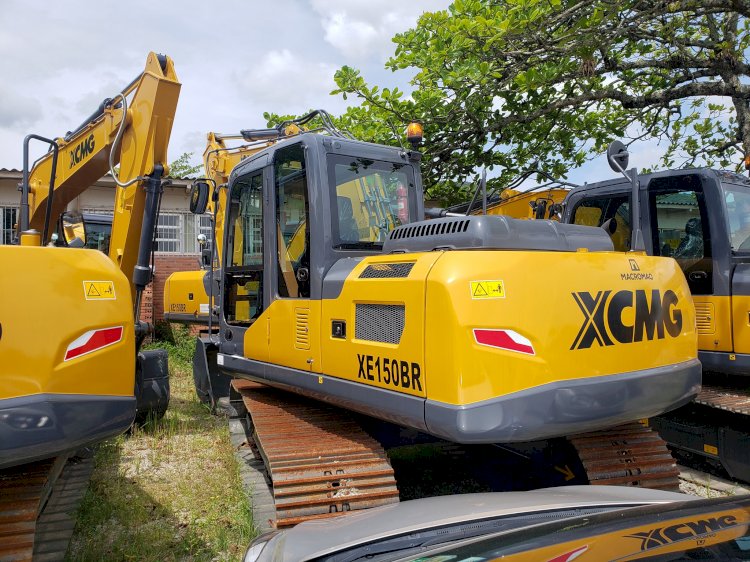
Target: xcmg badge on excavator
[605, 311]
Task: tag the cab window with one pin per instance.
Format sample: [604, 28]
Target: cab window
[292, 223]
[737, 200]
[244, 251]
[596, 211]
[369, 199]
[679, 228]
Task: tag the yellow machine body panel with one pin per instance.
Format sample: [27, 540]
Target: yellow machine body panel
[67, 349]
[714, 320]
[741, 323]
[184, 294]
[395, 366]
[294, 330]
[574, 328]
[55, 298]
[555, 327]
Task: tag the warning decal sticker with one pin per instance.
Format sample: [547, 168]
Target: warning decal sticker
[487, 289]
[99, 290]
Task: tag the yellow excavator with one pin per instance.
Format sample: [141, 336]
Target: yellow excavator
[700, 218]
[473, 329]
[72, 371]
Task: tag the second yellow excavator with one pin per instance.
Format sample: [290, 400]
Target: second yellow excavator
[72, 372]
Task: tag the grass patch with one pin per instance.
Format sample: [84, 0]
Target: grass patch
[170, 490]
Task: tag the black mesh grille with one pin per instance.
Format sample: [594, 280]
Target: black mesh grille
[430, 228]
[386, 270]
[382, 323]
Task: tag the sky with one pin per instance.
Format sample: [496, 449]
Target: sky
[235, 60]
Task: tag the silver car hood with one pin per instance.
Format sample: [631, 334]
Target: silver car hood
[317, 538]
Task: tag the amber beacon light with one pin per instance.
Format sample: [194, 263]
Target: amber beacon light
[414, 134]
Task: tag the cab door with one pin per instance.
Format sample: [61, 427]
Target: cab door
[681, 229]
[293, 317]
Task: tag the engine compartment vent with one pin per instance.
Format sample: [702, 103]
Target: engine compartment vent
[382, 323]
[387, 270]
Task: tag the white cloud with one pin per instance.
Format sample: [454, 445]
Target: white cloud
[17, 110]
[286, 82]
[363, 28]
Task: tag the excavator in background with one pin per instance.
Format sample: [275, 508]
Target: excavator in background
[543, 201]
[72, 372]
[701, 219]
[358, 305]
[187, 293]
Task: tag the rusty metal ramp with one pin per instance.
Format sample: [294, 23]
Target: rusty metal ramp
[627, 455]
[320, 461]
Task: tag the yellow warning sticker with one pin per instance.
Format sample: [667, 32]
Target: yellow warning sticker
[487, 289]
[710, 449]
[99, 290]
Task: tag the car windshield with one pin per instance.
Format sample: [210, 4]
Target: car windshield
[737, 200]
[369, 199]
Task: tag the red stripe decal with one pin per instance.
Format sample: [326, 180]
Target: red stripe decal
[502, 340]
[568, 556]
[99, 339]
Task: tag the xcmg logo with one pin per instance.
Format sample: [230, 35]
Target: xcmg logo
[689, 530]
[626, 317]
[82, 150]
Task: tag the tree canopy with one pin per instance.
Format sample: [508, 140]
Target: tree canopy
[182, 168]
[514, 84]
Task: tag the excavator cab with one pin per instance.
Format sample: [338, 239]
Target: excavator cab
[700, 218]
[278, 247]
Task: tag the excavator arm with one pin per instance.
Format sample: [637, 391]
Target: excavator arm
[132, 130]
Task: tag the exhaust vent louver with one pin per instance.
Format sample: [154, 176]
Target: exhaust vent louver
[302, 329]
[704, 317]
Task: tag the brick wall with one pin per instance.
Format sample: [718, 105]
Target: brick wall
[152, 309]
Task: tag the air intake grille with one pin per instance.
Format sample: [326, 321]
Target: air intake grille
[386, 270]
[302, 329]
[382, 323]
[430, 228]
[704, 317]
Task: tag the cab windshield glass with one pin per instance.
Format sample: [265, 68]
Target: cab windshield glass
[369, 199]
[737, 200]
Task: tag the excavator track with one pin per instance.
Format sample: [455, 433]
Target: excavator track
[727, 398]
[627, 455]
[320, 462]
[38, 502]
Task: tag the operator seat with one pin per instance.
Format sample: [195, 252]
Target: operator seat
[348, 231]
[691, 247]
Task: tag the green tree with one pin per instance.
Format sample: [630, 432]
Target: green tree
[521, 83]
[182, 167]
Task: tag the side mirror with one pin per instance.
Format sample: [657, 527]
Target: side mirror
[73, 229]
[199, 197]
[618, 156]
[610, 226]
